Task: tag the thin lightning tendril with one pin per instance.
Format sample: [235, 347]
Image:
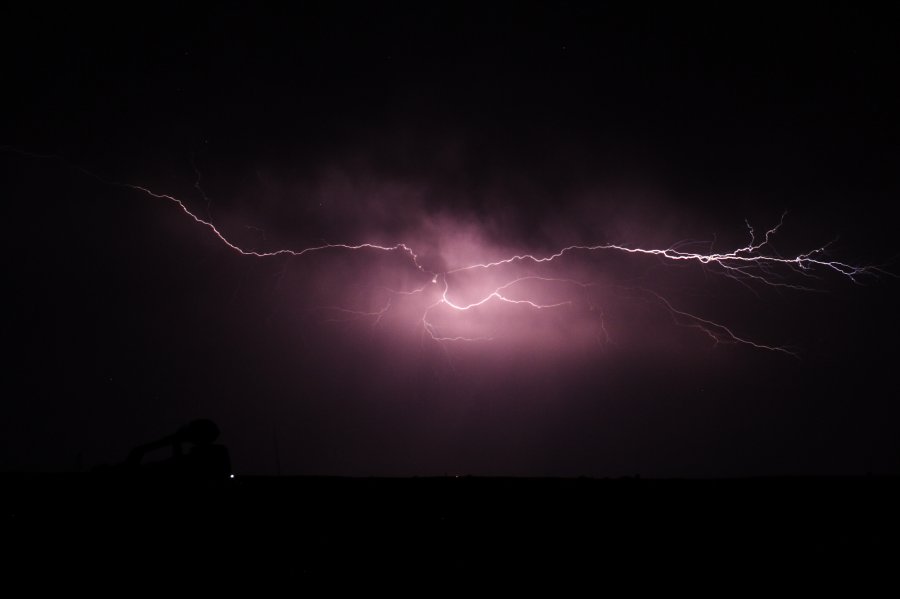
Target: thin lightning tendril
[746, 255]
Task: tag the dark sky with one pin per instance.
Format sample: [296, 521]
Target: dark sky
[471, 134]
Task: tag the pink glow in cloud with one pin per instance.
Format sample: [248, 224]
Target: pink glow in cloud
[445, 277]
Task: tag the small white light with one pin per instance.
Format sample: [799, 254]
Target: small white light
[230, 476]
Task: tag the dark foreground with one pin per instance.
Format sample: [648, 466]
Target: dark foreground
[454, 526]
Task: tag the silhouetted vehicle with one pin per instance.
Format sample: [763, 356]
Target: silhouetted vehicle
[195, 455]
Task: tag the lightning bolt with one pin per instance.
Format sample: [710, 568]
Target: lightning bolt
[749, 264]
[733, 262]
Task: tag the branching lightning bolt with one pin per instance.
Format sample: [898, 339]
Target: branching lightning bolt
[747, 265]
[734, 262]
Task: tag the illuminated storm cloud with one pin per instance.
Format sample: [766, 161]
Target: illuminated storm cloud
[444, 280]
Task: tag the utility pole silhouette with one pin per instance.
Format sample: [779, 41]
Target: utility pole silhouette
[277, 453]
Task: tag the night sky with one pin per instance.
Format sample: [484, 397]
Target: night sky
[471, 134]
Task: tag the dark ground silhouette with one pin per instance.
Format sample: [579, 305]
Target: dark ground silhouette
[466, 526]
